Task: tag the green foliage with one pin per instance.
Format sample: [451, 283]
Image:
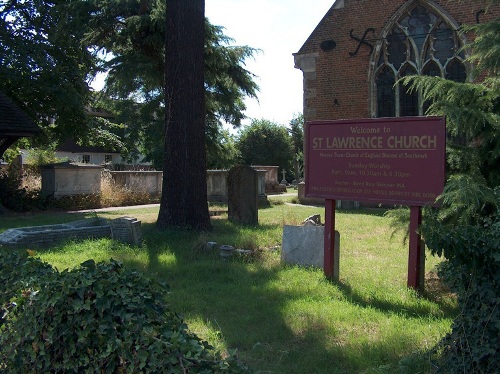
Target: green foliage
[133, 32]
[102, 318]
[486, 51]
[18, 273]
[11, 153]
[42, 156]
[473, 272]
[15, 197]
[466, 200]
[399, 219]
[222, 153]
[56, 47]
[44, 68]
[265, 143]
[466, 229]
[296, 131]
[472, 120]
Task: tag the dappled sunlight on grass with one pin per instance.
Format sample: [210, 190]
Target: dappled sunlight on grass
[282, 318]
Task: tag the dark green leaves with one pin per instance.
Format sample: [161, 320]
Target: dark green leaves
[96, 318]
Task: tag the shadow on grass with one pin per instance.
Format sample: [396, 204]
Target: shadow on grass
[399, 308]
[238, 305]
[239, 300]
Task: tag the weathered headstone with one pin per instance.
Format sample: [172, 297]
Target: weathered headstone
[261, 177]
[15, 171]
[217, 185]
[304, 245]
[243, 195]
[283, 181]
[126, 230]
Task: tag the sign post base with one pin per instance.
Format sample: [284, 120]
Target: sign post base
[332, 254]
[416, 258]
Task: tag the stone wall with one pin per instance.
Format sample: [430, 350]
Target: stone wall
[73, 179]
[139, 181]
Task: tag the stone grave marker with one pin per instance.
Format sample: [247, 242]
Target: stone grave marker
[283, 181]
[127, 230]
[243, 195]
[304, 245]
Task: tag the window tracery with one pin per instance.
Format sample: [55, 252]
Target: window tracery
[421, 42]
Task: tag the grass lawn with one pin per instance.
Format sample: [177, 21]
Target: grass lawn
[284, 319]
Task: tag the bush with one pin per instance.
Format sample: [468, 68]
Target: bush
[473, 272]
[102, 318]
[17, 198]
[19, 272]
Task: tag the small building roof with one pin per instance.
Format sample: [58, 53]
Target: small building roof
[13, 121]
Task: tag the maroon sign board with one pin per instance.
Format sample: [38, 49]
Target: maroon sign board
[383, 160]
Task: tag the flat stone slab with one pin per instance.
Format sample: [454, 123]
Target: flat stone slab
[124, 229]
[36, 236]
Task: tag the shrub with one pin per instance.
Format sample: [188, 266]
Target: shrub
[472, 270]
[16, 197]
[102, 318]
[19, 272]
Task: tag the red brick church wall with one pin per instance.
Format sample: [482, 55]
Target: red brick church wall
[336, 84]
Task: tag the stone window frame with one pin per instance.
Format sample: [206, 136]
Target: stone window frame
[417, 64]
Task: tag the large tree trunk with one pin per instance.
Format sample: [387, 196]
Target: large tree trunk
[184, 194]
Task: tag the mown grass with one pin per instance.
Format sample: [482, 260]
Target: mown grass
[284, 319]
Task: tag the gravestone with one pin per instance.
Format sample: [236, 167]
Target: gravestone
[15, 171]
[217, 185]
[304, 245]
[243, 195]
[261, 177]
[70, 178]
[283, 181]
[126, 230]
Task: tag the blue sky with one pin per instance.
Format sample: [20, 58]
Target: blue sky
[278, 28]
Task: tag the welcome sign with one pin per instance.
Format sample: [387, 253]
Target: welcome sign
[383, 160]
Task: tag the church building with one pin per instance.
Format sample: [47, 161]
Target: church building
[360, 49]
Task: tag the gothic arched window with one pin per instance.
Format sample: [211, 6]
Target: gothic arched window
[421, 42]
